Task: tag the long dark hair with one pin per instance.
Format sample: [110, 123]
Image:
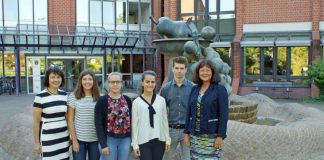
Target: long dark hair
[206, 63]
[55, 70]
[140, 88]
[79, 93]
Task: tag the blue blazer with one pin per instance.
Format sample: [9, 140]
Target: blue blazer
[213, 113]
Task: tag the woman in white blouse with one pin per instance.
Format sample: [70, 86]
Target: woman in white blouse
[150, 129]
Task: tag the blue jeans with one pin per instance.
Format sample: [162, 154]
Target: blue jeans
[119, 148]
[90, 147]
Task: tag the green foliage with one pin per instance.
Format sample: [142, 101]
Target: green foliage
[316, 73]
[319, 100]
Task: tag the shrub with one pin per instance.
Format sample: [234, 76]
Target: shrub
[316, 74]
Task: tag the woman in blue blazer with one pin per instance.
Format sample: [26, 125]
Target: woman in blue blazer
[207, 117]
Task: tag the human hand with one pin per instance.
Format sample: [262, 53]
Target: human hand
[167, 147]
[137, 152]
[38, 148]
[75, 146]
[105, 151]
[218, 142]
[186, 140]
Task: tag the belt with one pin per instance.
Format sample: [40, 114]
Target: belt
[177, 126]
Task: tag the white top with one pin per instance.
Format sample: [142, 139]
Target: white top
[84, 117]
[142, 132]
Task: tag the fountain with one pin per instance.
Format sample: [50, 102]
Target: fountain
[183, 39]
[258, 128]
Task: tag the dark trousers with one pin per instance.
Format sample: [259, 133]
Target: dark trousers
[87, 147]
[152, 150]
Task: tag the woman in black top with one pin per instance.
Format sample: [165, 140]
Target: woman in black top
[113, 121]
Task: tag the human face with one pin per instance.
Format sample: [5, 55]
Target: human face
[179, 70]
[114, 84]
[148, 83]
[87, 82]
[205, 74]
[54, 81]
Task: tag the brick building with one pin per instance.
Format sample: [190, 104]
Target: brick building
[266, 41]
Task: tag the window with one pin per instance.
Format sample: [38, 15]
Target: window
[282, 64]
[40, 8]
[121, 12]
[108, 17]
[258, 64]
[9, 62]
[25, 11]
[82, 13]
[10, 13]
[1, 20]
[299, 61]
[146, 12]
[95, 13]
[219, 14]
[227, 5]
[299, 66]
[138, 63]
[291, 65]
[252, 61]
[187, 6]
[133, 13]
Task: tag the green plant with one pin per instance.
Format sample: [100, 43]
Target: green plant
[319, 100]
[316, 74]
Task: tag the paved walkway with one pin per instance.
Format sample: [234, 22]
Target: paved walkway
[12, 104]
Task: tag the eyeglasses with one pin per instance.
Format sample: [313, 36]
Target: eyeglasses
[114, 82]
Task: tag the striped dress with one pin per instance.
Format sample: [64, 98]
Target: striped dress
[54, 136]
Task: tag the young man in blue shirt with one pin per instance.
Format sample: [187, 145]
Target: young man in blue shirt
[176, 94]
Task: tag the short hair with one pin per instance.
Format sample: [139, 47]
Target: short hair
[206, 63]
[145, 73]
[115, 74]
[180, 60]
[55, 70]
[79, 93]
[108, 78]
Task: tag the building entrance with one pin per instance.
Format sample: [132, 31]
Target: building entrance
[72, 67]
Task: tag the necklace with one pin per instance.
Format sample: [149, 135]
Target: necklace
[50, 92]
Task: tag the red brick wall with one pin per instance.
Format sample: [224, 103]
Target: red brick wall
[170, 9]
[62, 12]
[295, 93]
[322, 10]
[259, 11]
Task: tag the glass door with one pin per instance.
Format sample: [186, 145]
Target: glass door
[71, 68]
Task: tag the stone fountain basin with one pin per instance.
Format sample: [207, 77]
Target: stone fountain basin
[299, 135]
[175, 46]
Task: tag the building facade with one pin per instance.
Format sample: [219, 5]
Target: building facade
[264, 41]
[102, 35]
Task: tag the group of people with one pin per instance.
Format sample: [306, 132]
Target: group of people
[187, 116]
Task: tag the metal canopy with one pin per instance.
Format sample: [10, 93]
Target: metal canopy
[276, 39]
[28, 35]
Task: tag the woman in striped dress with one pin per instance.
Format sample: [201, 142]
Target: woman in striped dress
[51, 137]
[81, 117]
